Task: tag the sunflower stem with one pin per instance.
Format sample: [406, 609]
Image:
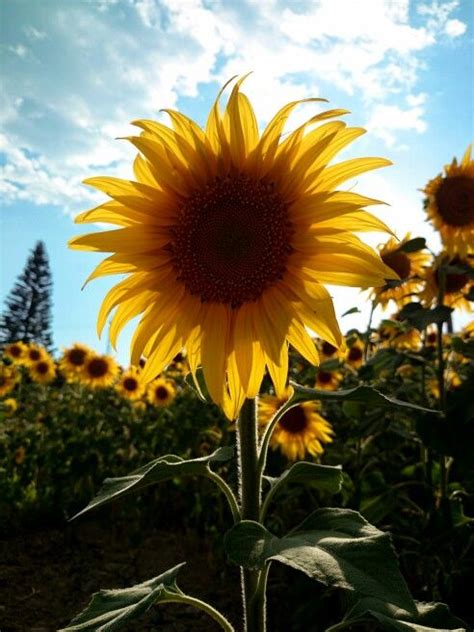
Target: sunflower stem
[250, 483]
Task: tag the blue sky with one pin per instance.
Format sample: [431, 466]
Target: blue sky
[75, 72]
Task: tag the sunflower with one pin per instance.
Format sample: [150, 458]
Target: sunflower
[161, 392]
[452, 381]
[468, 331]
[328, 380]
[409, 267]
[355, 354]
[301, 430]
[130, 385]
[16, 352]
[227, 237]
[327, 351]
[396, 335]
[35, 353]
[8, 378]
[100, 371]
[456, 284]
[74, 359]
[19, 456]
[431, 336]
[10, 405]
[450, 205]
[43, 371]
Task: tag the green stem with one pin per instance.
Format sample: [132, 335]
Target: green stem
[250, 483]
[262, 459]
[369, 326]
[201, 605]
[441, 380]
[228, 493]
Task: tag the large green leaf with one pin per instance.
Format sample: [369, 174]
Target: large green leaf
[429, 617]
[363, 394]
[327, 478]
[161, 469]
[110, 609]
[336, 547]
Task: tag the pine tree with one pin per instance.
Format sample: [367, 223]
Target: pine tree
[27, 316]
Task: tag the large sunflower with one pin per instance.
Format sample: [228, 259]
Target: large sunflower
[301, 430]
[408, 266]
[227, 237]
[450, 205]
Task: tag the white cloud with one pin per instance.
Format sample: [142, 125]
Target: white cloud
[129, 58]
[455, 28]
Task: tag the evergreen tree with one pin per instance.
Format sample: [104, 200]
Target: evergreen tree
[27, 316]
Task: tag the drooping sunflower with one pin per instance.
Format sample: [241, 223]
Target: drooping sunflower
[16, 352]
[130, 385]
[328, 380]
[227, 237]
[8, 378]
[161, 392]
[100, 371]
[74, 359]
[43, 371]
[410, 268]
[450, 205]
[456, 285]
[301, 430]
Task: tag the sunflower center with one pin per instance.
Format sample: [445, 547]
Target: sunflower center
[161, 392]
[328, 349]
[34, 354]
[97, 367]
[324, 377]
[455, 200]
[42, 368]
[232, 240]
[15, 351]
[399, 262]
[294, 421]
[355, 354]
[77, 357]
[130, 384]
[453, 282]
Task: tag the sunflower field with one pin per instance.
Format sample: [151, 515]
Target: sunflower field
[315, 478]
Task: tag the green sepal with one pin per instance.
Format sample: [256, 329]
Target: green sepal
[327, 478]
[429, 617]
[336, 547]
[363, 394]
[110, 609]
[161, 469]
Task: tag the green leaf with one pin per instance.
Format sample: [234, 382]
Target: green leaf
[327, 478]
[336, 547]
[161, 469]
[110, 609]
[413, 245]
[364, 394]
[420, 317]
[429, 617]
[352, 310]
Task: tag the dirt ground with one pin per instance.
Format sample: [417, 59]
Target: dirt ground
[48, 576]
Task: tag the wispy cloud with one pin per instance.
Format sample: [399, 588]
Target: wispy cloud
[68, 98]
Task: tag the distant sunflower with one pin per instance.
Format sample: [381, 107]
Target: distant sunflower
[468, 331]
[74, 359]
[301, 430]
[100, 371]
[328, 380]
[8, 378]
[43, 371]
[398, 336]
[355, 354]
[456, 286]
[130, 385]
[450, 205]
[327, 351]
[35, 353]
[161, 392]
[452, 381]
[16, 352]
[10, 405]
[409, 267]
[431, 336]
